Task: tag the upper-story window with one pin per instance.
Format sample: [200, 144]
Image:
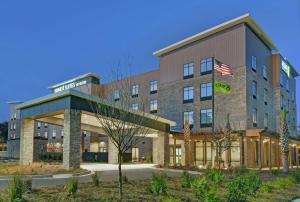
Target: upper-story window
[153, 106]
[135, 91]
[287, 84]
[38, 134]
[253, 63]
[206, 91]
[293, 96]
[39, 125]
[189, 117]
[265, 73]
[188, 70]
[53, 134]
[254, 89]
[153, 87]
[135, 106]
[15, 126]
[266, 120]
[206, 66]
[254, 117]
[62, 134]
[15, 116]
[188, 94]
[117, 95]
[266, 96]
[46, 125]
[46, 134]
[206, 117]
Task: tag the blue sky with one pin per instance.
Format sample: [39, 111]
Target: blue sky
[46, 42]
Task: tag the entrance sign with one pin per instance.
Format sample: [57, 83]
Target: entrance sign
[69, 86]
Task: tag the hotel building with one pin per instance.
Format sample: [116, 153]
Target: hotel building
[263, 84]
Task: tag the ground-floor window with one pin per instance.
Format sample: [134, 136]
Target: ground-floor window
[102, 147]
[235, 153]
[135, 154]
[177, 154]
[199, 153]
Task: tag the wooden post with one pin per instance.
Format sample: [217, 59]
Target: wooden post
[278, 153]
[174, 152]
[245, 141]
[259, 149]
[205, 151]
[241, 151]
[297, 157]
[270, 153]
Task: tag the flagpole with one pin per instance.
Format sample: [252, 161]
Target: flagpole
[213, 108]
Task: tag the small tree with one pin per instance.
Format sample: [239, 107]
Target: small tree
[223, 141]
[284, 141]
[124, 125]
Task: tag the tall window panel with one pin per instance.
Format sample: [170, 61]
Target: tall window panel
[265, 73]
[153, 106]
[135, 91]
[117, 95]
[266, 120]
[188, 94]
[206, 66]
[153, 86]
[206, 91]
[206, 117]
[135, 106]
[254, 117]
[188, 70]
[266, 96]
[189, 117]
[253, 63]
[254, 89]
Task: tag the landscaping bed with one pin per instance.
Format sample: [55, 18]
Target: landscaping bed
[238, 185]
[13, 168]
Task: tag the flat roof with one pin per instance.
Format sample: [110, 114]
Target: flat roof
[228, 24]
[74, 79]
[76, 93]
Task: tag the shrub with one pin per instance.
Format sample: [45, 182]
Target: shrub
[266, 187]
[281, 183]
[16, 189]
[211, 196]
[72, 186]
[274, 172]
[215, 176]
[171, 199]
[159, 185]
[95, 179]
[200, 186]
[186, 179]
[295, 177]
[241, 187]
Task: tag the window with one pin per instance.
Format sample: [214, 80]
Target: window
[117, 95]
[53, 134]
[15, 116]
[135, 91]
[39, 134]
[102, 147]
[135, 154]
[189, 117]
[265, 74]
[188, 71]
[293, 96]
[15, 126]
[206, 66]
[281, 102]
[153, 106]
[135, 106]
[266, 96]
[62, 134]
[46, 125]
[254, 117]
[46, 134]
[266, 120]
[38, 125]
[287, 84]
[206, 118]
[254, 89]
[206, 91]
[153, 87]
[188, 94]
[253, 63]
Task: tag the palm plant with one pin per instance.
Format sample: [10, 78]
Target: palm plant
[284, 141]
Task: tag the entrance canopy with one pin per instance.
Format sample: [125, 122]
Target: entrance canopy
[51, 109]
[74, 111]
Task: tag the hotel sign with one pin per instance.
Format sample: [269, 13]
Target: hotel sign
[67, 86]
[285, 67]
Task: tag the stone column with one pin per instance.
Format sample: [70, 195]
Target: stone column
[27, 142]
[161, 149]
[112, 152]
[72, 138]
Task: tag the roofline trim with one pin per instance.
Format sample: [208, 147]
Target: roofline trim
[246, 18]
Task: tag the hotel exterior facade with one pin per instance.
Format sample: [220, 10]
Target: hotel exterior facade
[181, 89]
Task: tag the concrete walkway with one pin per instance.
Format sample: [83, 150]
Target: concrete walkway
[106, 172]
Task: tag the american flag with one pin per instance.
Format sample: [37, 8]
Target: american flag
[223, 69]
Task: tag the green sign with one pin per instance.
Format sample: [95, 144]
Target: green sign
[222, 87]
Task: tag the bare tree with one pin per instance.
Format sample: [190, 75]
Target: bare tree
[223, 141]
[124, 125]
